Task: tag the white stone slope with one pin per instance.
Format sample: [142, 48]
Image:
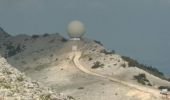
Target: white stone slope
[14, 85]
[35, 52]
[50, 60]
[137, 87]
[68, 79]
[46, 51]
[113, 66]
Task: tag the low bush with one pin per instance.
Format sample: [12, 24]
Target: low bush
[81, 88]
[169, 79]
[64, 40]
[106, 52]
[71, 98]
[141, 78]
[98, 42]
[123, 65]
[35, 36]
[12, 49]
[41, 67]
[90, 59]
[164, 87]
[149, 69]
[113, 51]
[97, 65]
[45, 35]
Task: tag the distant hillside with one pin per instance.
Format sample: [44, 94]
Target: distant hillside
[48, 58]
[134, 63]
[14, 85]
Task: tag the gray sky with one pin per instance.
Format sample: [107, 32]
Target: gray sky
[136, 28]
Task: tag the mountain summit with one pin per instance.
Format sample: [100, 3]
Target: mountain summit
[90, 72]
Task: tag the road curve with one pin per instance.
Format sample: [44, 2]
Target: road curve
[77, 55]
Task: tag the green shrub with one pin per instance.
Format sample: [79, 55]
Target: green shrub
[71, 98]
[35, 36]
[106, 52]
[52, 40]
[164, 87]
[113, 51]
[123, 65]
[90, 59]
[169, 79]
[12, 49]
[20, 78]
[81, 88]
[149, 69]
[45, 35]
[40, 67]
[98, 42]
[64, 40]
[97, 65]
[141, 78]
[45, 97]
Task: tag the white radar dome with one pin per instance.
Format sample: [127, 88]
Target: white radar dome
[76, 29]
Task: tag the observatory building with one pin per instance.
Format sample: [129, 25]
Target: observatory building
[75, 30]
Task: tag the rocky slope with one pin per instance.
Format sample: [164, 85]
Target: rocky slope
[49, 58]
[14, 85]
[96, 58]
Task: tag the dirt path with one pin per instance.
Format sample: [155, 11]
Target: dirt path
[147, 91]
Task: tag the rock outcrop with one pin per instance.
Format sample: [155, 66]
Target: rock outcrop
[14, 85]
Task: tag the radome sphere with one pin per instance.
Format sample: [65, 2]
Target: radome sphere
[75, 29]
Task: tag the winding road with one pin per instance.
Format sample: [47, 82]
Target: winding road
[77, 56]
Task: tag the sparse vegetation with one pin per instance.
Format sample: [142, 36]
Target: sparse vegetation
[97, 65]
[164, 87]
[45, 97]
[26, 39]
[71, 98]
[149, 69]
[12, 49]
[35, 36]
[23, 62]
[20, 78]
[90, 59]
[64, 39]
[123, 65]
[45, 35]
[5, 34]
[16, 84]
[107, 52]
[56, 59]
[8, 72]
[141, 78]
[81, 88]
[52, 40]
[40, 67]
[5, 85]
[98, 42]
[113, 51]
[169, 79]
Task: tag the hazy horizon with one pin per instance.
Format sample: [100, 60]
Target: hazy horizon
[135, 28]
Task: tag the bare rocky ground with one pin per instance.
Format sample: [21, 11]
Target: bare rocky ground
[14, 85]
[49, 59]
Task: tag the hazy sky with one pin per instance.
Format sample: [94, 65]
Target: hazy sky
[136, 28]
